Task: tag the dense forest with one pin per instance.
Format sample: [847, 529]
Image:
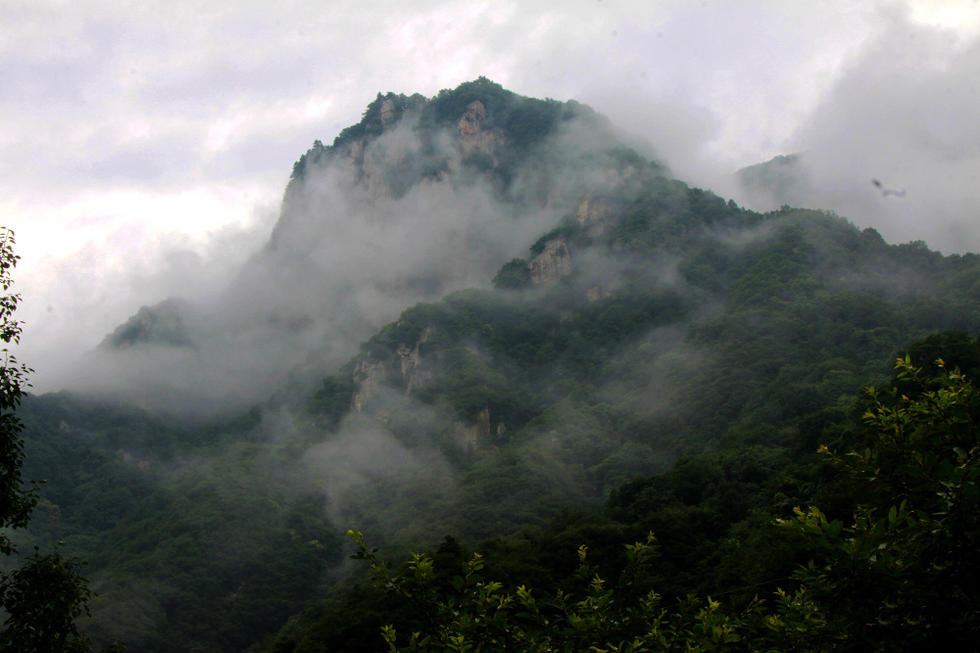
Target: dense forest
[574, 402]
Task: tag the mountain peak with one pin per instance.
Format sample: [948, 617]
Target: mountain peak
[160, 324]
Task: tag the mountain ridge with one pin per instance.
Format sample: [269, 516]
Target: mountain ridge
[472, 337]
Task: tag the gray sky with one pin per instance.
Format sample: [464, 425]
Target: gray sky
[144, 147]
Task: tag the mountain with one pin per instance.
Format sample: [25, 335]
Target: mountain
[479, 314]
[781, 180]
[419, 199]
[162, 324]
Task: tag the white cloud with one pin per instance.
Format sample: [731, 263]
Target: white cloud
[152, 125]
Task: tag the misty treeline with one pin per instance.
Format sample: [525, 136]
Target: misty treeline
[877, 551]
[484, 321]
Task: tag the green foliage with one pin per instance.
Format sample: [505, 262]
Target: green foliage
[43, 600]
[16, 501]
[216, 559]
[317, 155]
[514, 274]
[903, 573]
[333, 399]
[954, 348]
[46, 594]
[475, 613]
[900, 577]
[524, 120]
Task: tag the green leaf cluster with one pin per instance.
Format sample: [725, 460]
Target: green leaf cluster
[44, 597]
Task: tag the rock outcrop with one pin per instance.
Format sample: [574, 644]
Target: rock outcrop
[473, 138]
[412, 373]
[478, 437]
[387, 111]
[553, 263]
[368, 375]
[594, 213]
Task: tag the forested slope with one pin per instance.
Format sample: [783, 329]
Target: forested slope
[880, 556]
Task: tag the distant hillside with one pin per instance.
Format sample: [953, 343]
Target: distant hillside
[780, 180]
[162, 324]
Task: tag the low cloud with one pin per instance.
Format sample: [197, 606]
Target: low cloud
[902, 114]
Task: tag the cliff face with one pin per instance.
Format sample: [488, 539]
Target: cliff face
[595, 214]
[368, 377]
[415, 373]
[409, 370]
[443, 175]
[474, 138]
[553, 263]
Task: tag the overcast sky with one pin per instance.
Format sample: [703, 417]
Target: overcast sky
[144, 147]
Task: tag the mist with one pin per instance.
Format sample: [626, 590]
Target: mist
[894, 144]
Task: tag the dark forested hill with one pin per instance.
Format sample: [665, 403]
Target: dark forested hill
[479, 314]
